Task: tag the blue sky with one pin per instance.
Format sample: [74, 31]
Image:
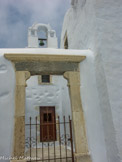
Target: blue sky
[17, 15]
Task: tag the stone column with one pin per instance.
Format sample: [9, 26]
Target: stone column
[80, 139]
[19, 118]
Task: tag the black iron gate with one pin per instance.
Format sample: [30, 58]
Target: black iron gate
[60, 149]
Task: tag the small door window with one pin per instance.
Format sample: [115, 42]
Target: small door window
[47, 117]
[45, 78]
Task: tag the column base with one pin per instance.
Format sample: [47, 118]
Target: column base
[82, 158]
[19, 137]
[18, 160]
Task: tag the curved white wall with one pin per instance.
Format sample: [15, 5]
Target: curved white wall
[7, 84]
[95, 25]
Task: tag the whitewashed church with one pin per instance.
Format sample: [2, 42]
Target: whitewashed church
[64, 104]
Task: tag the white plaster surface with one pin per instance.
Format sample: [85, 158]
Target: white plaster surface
[47, 95]
[97, 25]
[56, 94]
[7, 82]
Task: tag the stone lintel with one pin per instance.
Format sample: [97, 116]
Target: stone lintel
[39, 68]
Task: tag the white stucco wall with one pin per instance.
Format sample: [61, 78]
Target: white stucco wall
[96, 25]
[55, 94]
[7, 82]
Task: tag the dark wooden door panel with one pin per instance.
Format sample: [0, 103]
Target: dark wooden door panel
[47, 124]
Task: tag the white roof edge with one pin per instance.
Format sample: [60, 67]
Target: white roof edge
[45, 51]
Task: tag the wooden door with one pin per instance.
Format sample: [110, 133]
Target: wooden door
[47, 124]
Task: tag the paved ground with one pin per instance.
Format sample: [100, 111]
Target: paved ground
[49, 154]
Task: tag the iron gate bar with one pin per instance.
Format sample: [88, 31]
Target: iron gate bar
[70, 126]
[54, 142]
[59, 137]
[42, 145]
[65, 137]
[36, 138]
[48, 152]
[30, 138]
[47, 125]
[42, 152]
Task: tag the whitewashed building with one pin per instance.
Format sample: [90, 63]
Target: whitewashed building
[97, 25]
[83, 79]
[40, 89]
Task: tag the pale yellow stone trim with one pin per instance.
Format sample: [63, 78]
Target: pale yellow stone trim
[83, 158]
[18, 160]
[42, 57]
[80, 138]
[19, 116]
[81, 154]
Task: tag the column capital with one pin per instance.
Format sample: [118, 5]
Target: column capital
[27, 75]
[21, 77]
[72, 77]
